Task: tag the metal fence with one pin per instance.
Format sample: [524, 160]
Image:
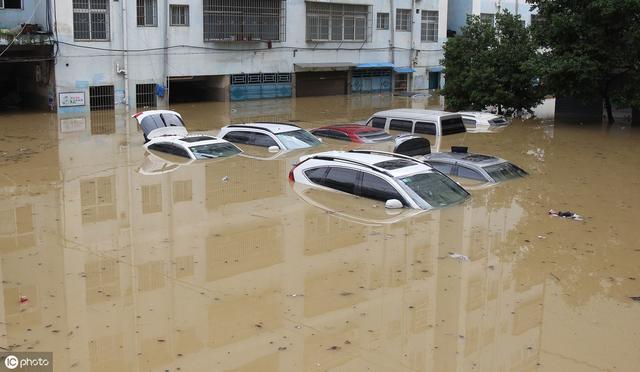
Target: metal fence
[101, 97]
[146, 95]
[244, 20]
[338, 22]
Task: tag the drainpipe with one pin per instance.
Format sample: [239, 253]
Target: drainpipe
[517, 1]
[412, 50]
[125, 47]
[166, 52]
[392, 27]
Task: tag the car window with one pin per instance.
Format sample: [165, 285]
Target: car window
[469, 173]
[179, 151]
[378, 122]
[214, 150]
[342, 179]
[340, 135]
[469, 122]
[374, 187]
[442, 167]
[316, 175]
[452, 126]
[238, 137]
[424, 127]
[403, 125]
[321, 133]
[504, 171]
[434, 188]
[172, 120]
[261, 139]
[298, 139]
[159, 147]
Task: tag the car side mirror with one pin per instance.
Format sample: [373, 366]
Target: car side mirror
[393, 204]
[273, 149]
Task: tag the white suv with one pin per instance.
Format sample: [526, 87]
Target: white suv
[275, 136]
[398, 180]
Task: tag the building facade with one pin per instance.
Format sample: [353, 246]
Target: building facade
[486, 9]
[147, 53]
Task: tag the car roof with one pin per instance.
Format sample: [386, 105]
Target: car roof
[143, 114]
[480, 114]
[415, 113]
[351, 128]
[191, 140]
[467, 158]
[371, 159]
[269, 127]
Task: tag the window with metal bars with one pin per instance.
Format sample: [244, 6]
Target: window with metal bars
[244, 20]
[146, 95]
[260, 78]
[403, 19]
[91, 20]
[429, 29]
[382, 21]
[101, 97]
[10, 4]
[487, 18]
[179, 15]
[103, 122]
[336, 22]
[147, 13]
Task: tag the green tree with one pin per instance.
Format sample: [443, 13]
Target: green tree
[591, 48]
[491, 65]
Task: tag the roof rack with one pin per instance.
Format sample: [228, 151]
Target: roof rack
[327, 157]
[391, 154]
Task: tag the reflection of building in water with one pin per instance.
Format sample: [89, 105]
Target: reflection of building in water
[185, 269]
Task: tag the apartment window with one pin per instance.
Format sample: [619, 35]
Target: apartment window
[145, 95]
[403, 19]
[179, 15]
[147, 13]
[487, 18]
[10, 4]
[429, 30]
[382, 21]
[101, 97]
[90, 19]
[98, 199]
[244, 20]
[336, 22]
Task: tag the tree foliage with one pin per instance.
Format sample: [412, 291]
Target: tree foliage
[491, 65]
[591, 48]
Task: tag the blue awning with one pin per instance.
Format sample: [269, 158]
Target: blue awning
[375, 65]
[404, 70]
[436, 69]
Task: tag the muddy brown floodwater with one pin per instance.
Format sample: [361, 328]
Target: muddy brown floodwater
[130, 262]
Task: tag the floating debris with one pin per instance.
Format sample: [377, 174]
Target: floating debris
[225, 179]
[458, 256]
[23, 299]
[565, 214]
[635, 298]
[334, 348]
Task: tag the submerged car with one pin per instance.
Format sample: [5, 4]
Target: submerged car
[398, 180]
[353, 133]
[477, 121]
[164, 131]
[477, 167]
[275, 136]
[438, 123]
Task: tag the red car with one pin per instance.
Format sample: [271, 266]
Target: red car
[353, 133]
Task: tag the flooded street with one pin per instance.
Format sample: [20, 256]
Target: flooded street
[132, 262]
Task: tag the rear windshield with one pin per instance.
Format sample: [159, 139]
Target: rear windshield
[504, 171]
[498, 121]
[452, 126]
[434, 188]
[196, 139]
[375, 136]
[298, 139]
[214, 150]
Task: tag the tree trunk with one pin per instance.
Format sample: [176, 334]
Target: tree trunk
[607, 105]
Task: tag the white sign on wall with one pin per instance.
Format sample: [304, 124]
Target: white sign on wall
[70, 99]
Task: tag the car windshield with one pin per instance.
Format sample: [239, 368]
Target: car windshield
[434, 188]
[214, 150]
[298, 139]
[504, 171]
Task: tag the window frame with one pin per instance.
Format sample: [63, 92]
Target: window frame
[321, 17]
[429, 19]
[403, 20]
[2, 5]
[384, 25]
[141, 13]
[90, 29]
[179, 7]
